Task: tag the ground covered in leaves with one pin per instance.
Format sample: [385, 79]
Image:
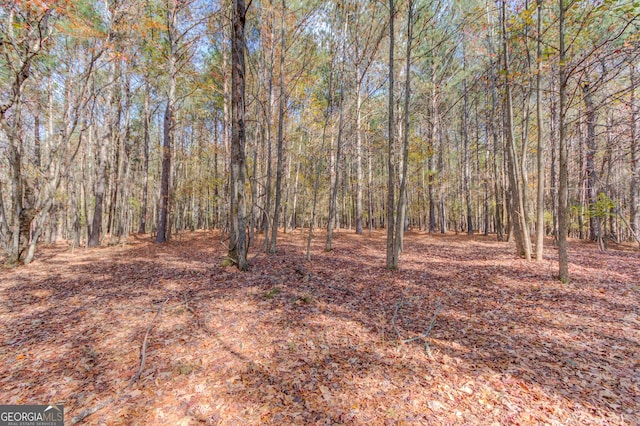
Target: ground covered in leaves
[338, 340]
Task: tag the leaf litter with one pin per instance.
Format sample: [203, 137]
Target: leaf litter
[463, 333]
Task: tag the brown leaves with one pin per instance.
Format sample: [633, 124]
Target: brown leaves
[510, 344]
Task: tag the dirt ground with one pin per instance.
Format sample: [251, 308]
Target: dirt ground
[338, 340]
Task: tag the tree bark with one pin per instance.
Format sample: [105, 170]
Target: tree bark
[465, 137]
[592, 192]
[392, 260]
[402, 196]
[634, 197]
[103, 159]
[318, 168]
[497, 168]
[332, 220]
[280, 160]
[519, 223]
[145, 162]
[164, 223]
[563, 192]
[359, 229]
[539, 153]
[238, 244]
[554, 169]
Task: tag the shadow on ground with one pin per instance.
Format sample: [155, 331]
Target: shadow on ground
[297, 342]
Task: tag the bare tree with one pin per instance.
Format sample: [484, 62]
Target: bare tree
[539, 153]
[517, 211]
[392, 260]
[402, 197]
[563, 191]
[280, 153]
[238, 238]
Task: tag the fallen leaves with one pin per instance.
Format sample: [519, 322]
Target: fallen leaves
[296, 342]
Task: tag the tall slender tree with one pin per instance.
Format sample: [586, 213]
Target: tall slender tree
[563, 181]
[540, 147]
[280, 149]
[238, 239]
[402, 196]
[517, 208]
[392, 259]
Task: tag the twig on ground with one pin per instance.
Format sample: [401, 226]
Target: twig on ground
[186, 303]
[429, 328]
[230, 259]
[424, 336]
[346, 290]
[89, 411]
[143, 353]
[395, 315]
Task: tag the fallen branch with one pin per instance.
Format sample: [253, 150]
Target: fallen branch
[230, 259]
[143, 353]
[431, 324]
[346, 290]
[89, 411]
[395, 315]
[631, 231]
[186, 303]
[109, 401]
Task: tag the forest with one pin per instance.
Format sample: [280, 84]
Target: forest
[321, 211]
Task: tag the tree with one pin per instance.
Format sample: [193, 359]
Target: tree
[105, 141]
[517, 207]
[539, 150]
[392, 259]
[238, 243]
[563, 193]
[24, 34]
[635, 153]
[177, 53]
[280, 153]
[333, 196]
[29, 35]
[402, 197]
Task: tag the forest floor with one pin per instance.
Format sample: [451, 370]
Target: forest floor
[322, 342]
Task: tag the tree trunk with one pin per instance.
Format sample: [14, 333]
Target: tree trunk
[592, 192]
[392, 260]
[318, 168]
[554, 169]
[465, 137]
[333, 197]
[163, 212]
[441, 209]
[103, 158]
[497, 169]
[238, 244]
[539, 153]
[563, 192]
[369, 185]
[266, 220]
[359, 229]
[280, 160]
[402, 197]
[145, 163]
[519, 223]
[294, 207]
[634, 197]
[164, 224]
